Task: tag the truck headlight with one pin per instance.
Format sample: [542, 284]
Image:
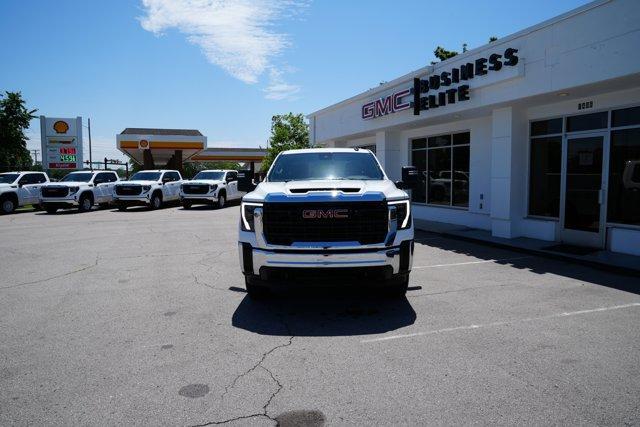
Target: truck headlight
[73, 190]
[146, 188]
[403, 213]
[247, 215]
[213, 187]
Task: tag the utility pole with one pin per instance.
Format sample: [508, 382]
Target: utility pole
[90, 154]
[35, 155]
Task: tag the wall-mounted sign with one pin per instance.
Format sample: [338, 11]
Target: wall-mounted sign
[61, 142]
[439, 89]
[143, 144]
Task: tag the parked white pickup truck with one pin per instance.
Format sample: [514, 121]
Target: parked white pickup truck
[210, 187]
[151, 188]
[20, 189]
[324, 214]
[81, 189]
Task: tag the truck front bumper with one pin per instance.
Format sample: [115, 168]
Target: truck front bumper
[59, 202]
[141, 200]
[200, 199]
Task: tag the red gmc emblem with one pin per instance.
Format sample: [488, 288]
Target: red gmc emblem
[325, 213]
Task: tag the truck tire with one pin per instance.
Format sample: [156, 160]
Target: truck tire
[122, 207]
[156, 202]
[222, 198]
[8, 205]
[85, 203]
[51, 210]
[255, 292]
[186, 205]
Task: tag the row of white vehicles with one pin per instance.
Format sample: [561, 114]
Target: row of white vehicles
[84, 189]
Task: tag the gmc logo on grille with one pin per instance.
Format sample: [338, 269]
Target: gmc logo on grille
[325, 213]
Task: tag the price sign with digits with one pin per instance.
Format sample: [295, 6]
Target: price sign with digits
[61, 142]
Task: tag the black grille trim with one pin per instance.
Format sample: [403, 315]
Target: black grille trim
[49, 191]
[367, 223]
[128, 190]
[195, 188]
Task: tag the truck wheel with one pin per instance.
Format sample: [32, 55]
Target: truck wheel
[397, 288]
[8, 205]
[186, 205]
[85, 203]
[256, 292]
[156, 202]
[221, 200]
[51, 211]
[122, 207]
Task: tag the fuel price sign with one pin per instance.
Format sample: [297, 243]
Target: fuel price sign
[61, 143]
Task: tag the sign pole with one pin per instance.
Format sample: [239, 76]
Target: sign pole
[90, 154]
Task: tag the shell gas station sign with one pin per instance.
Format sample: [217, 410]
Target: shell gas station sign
[61, 142]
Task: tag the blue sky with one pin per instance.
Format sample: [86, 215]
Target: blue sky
[225, 67]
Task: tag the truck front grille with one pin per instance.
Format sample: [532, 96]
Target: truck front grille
[128, 190]
[59, 191]
[362, 222]
[195, 188]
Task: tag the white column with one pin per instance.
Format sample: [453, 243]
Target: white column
[507, 171]
[388, 150]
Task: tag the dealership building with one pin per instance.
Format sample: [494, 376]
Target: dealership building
[534, 135]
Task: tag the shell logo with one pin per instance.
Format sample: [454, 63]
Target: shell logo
[61, 126]
[144, 144]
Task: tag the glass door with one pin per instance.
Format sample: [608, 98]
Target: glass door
[582, 215]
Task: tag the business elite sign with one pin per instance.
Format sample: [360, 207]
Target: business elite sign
[441, 89]
[61, 142]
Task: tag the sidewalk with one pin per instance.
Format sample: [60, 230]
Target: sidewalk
[612, 261]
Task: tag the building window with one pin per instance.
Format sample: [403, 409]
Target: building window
[591, 121]
[419, 160]
[443, 164]
[623, 204]
[545, 165]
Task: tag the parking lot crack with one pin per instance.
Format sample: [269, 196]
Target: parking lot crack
[57, 276]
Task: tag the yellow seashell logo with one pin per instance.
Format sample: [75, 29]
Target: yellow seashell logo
[61, 126]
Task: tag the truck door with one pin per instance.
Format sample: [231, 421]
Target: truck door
[232, 185]
[29, 188]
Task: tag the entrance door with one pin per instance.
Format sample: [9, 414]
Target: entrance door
[583, 183]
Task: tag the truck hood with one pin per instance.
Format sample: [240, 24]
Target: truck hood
[67, 184]
[203, 181]
[5, 187]
[137, 183]
[346, 187]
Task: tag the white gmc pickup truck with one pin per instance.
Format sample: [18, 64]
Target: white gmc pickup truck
[322, 215]
[151, 188]
[81, 189]
[20, 189]
[210, 187]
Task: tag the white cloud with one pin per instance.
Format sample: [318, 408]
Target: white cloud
[278, 89]
[237, 35]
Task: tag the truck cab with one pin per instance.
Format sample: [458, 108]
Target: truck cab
[210, 187]
[325, 214]
[20, 189]
[80, 189]
[150, 188]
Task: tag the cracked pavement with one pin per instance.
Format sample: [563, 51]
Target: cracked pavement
[140, 317]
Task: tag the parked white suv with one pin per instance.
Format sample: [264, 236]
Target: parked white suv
[210, 187]
[324, 214]
[81, 189]
[20, 189]
[151, 188]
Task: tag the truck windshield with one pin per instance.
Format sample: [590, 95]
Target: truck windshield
[8, 178]
[216, 176]
[146, 176]
[77, 177]
[321, 166]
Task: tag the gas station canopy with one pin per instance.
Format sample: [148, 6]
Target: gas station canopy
[157, 148]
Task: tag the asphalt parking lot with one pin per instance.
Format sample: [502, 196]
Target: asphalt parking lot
[139, 317]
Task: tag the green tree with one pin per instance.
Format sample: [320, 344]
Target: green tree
[14, 120]
[442, 54]
[288, 132]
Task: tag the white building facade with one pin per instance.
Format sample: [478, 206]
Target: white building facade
[534, 135]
